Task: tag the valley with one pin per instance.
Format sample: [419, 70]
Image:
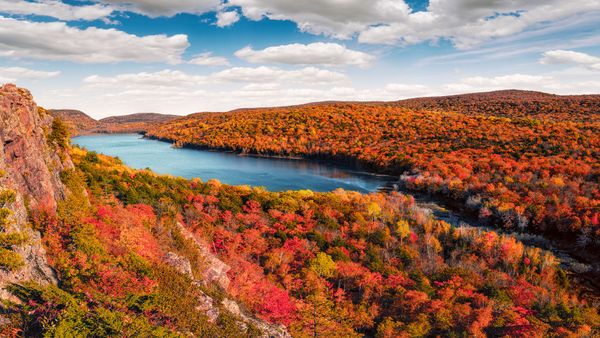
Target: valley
[128, 251]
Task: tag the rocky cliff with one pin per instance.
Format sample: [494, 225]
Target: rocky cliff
[32, 156]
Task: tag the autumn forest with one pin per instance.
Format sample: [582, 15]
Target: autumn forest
[129, 253]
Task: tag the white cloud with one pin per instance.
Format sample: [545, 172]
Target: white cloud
[571, 58]
[55, 9]
[57, 41]
[465, 22]
[177, 92]
[511, 81]
[506, 80]
[207, 59]
[328, 17]
[157, 8]
[225, 18]
[164, 78]
[12, 74]
[268, 77]
[318, 53]
[407, 90]
[308, 75]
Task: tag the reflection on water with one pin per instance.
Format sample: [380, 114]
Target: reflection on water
[274, 174]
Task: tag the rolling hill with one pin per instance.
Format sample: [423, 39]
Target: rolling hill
[522, 160]
[90, 247]
[81, 123]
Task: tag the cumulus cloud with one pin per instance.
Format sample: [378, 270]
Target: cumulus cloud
[308, 75]
[227, 18]
[403, 90]
[465, 22]
[207, 59]
[57, 41]
[12, 74]
[183, 93]
[571, 58]
[326, 16]
[267, 76]
[56, 9]
[319, 53]
[157, 8]
[164, 78]
[511, 81]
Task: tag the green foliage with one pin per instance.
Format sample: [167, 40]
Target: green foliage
[5, 214]
[56, 313]
[76, 205]
[7, 196]
[323, 265]
[85, 240]
[91, 157]
[338, 264]
[59, 134]
[10, 260]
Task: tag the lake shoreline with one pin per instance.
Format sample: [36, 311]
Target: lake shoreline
[560, 246]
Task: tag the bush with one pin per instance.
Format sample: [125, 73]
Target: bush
[10, 260]
[59, 134]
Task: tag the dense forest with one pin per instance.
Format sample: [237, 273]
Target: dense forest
[337, 264]
[514, 104]
[79, 122]
[528, 164]
[97, 249]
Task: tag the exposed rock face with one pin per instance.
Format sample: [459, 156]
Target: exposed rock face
[181, 264]
[31, 169]
[268, 330]
[216, 270]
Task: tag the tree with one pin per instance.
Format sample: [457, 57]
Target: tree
[59, 134]
[402, 230]
[323, 265]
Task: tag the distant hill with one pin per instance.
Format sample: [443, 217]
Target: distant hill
[81, 123]
[522, 159]
[509, 103]
[138, 118]
[75, 119]
[512, 104]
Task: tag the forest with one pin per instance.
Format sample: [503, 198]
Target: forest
[524, 161]
[338, 264]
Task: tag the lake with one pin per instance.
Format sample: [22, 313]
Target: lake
[229, 168]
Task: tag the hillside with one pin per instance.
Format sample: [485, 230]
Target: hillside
[139, 117]
[138, 254]
[76, 120]
[514, 104]
[81, 123]
[521, 168]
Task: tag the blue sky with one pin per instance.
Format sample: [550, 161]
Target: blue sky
[113, 57]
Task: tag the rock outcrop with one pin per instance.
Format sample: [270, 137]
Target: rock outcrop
[215, 271]
[30, 168]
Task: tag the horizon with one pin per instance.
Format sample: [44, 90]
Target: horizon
[241, 109]
[113, 58]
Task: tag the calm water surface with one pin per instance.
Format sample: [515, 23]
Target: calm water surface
[274, 174]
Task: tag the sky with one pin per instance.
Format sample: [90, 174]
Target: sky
[116, 57]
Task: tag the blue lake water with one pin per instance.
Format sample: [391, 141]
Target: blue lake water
[229, 168]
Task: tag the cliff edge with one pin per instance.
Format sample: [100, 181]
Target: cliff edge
[32, 156]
